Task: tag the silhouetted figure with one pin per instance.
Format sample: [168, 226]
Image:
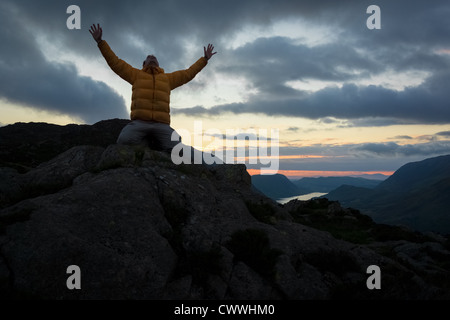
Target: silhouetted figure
[150, 101]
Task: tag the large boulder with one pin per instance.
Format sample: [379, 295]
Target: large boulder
[140, 227]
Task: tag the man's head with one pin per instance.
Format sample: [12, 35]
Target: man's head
[151, 61]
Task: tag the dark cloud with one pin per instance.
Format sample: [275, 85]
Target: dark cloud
[59, 89]
[239, 136]
[427, 103]
[28, 78]
[444, 133]
[163, 26]
[401, 45]
[360, 157]
[392, 149]
[407, 28]
[328, 120]
[372, 122]
[411, 35]
[270, 62]
[402, 138]
[427, 137]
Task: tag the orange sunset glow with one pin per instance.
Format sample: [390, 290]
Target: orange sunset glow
[298, 174]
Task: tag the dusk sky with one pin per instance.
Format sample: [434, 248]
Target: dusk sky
[345, 99]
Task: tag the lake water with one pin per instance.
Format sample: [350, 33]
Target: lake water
[303, 197]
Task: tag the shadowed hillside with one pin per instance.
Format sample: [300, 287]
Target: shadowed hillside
[140, 227]
[25, 145]
[417, 195]
[277, 186]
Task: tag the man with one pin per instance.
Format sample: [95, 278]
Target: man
[150, 101]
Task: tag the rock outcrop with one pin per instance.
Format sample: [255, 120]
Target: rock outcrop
[25, 145]
[140, 227]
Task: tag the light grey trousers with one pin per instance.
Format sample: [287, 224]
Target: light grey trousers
[157, 136]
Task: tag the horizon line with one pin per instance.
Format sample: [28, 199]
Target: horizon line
[321, 173]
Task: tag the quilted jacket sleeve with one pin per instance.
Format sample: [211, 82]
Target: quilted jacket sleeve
[120, 67]
[181, 77]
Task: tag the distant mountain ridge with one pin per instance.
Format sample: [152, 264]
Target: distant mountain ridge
[417, 195]
[327, 184]
[414, 176]
[278, 186]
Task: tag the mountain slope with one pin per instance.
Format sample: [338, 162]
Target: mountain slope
[417, 176]
[277, 186]
[327, 184]
[416, 195]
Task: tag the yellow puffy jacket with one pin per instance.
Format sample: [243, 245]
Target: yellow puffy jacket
[150, 99]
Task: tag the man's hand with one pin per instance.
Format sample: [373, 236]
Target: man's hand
[96, 32]
[209, 51]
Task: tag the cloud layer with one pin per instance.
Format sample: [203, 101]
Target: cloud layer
[27, 78]
[347, 58]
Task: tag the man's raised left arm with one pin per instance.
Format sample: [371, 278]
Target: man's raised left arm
[181, 77]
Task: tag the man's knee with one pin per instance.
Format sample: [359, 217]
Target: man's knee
[169, 139]
[130, 135]
[125, 139]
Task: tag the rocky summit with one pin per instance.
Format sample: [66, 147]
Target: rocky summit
[122, 222]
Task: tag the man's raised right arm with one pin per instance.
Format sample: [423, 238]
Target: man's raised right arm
[120, 67]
